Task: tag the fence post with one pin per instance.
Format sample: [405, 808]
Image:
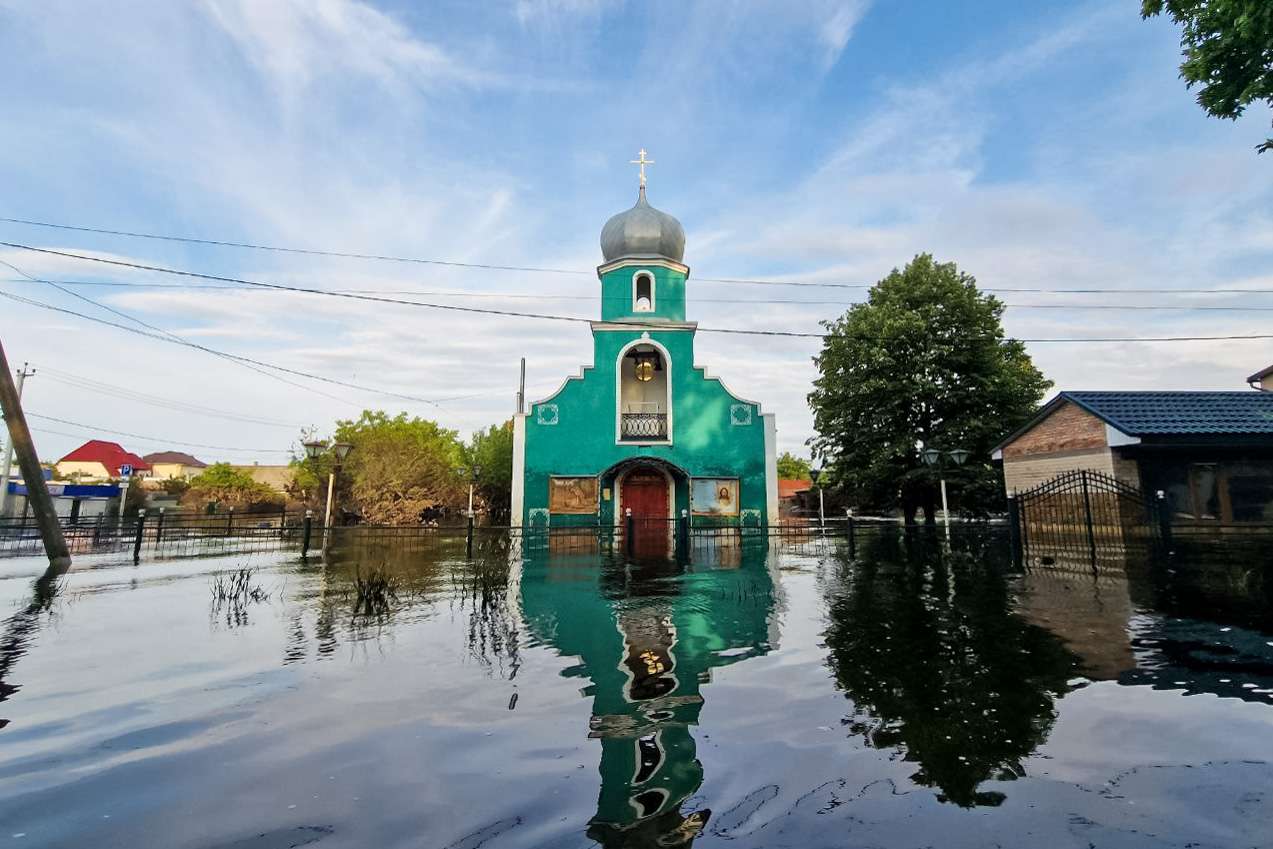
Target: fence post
[1087, 511]
[306, 528]
[159, 528]
[851, 533]
[629, 530]
[468, 543]
[141, 527]
[1014, 531]
[229, 522]
[1164, 523]
[97, 529]
[683, 532]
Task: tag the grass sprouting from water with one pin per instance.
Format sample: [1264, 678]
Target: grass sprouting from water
[375, 592]
[237, 587]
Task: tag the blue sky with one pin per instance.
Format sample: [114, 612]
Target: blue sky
[1038, 145]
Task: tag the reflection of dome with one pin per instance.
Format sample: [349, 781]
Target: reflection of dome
[643, 231]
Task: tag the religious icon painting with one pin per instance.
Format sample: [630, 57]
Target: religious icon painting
[572, 496]
[714, 496]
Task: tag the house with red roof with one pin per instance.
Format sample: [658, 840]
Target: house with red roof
[98, 458]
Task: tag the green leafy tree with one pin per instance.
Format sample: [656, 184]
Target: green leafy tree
[400, 466]
[492, 451]
[791, 467]
[1228, 51]
[224, 486]
[923, 362]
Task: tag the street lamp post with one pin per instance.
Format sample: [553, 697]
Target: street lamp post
[473, 474]
[340, 450]
[933, 457]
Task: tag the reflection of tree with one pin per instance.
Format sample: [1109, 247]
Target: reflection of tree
[648, 635]
[937, 665]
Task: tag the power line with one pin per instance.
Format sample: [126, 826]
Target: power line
[573, 271]
[595, 298]
[172, 335]
[239, 357]
[157, 440]
[124, 393]
[550, 317]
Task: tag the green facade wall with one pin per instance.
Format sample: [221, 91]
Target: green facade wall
[669, 294]
[574, 432]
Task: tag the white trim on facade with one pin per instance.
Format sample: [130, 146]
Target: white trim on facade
[771, 467]
[618, 392]
[637, 275]
[1115, 437]
[518, 499]
[655, 324]
[661, 262]
[583, 370]
[725, 386]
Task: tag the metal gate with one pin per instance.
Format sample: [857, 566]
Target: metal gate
[1086, 518]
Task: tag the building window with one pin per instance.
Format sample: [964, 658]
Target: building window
[643, 293]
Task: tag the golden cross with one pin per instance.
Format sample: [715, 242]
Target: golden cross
[642, 162]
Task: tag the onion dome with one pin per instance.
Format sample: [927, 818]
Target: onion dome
[643, 231]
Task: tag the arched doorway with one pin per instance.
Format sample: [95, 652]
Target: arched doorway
[646, 491]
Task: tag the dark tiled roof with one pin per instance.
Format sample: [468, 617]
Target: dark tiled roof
[1154, 413]
[174, 457]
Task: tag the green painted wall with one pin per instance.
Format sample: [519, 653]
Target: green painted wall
[573, 432]
[669, 293]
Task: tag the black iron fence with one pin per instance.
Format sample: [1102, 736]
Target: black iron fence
[1087, 519]
[159, 533]
[644, 425]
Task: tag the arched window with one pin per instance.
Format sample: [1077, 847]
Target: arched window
[643, 395]
[643, 293]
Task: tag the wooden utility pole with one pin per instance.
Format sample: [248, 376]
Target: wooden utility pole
[32, 474]
[6, 462]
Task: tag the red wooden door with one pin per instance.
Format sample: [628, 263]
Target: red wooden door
[645, 494]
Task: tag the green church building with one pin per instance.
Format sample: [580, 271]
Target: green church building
[643, 429]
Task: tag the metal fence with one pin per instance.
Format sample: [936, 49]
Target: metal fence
[176, 534]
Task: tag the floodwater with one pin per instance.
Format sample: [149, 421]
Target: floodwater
[756, 696]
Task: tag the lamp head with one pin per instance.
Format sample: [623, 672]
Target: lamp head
[341, 450]
[314, 448]
[960, 456]
[814, 474]
[930, 455]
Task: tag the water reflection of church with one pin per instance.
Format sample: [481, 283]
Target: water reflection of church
[648, 637]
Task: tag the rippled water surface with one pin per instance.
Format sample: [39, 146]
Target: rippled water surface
[759, 695]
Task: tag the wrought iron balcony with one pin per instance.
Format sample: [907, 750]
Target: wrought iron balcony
[643, 426]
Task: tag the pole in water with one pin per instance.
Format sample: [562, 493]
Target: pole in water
[853, 547]
[468, 542]
[629, 530]
[32, 474]
[141, 529]
[306, 529]
[6, 464]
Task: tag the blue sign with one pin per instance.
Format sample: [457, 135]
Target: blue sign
[125, 471]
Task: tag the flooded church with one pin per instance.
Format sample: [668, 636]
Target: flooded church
[644, 431]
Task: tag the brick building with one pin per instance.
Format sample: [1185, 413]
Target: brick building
[1210, 453]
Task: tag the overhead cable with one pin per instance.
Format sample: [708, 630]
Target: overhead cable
[645, 325]
[574, 271]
